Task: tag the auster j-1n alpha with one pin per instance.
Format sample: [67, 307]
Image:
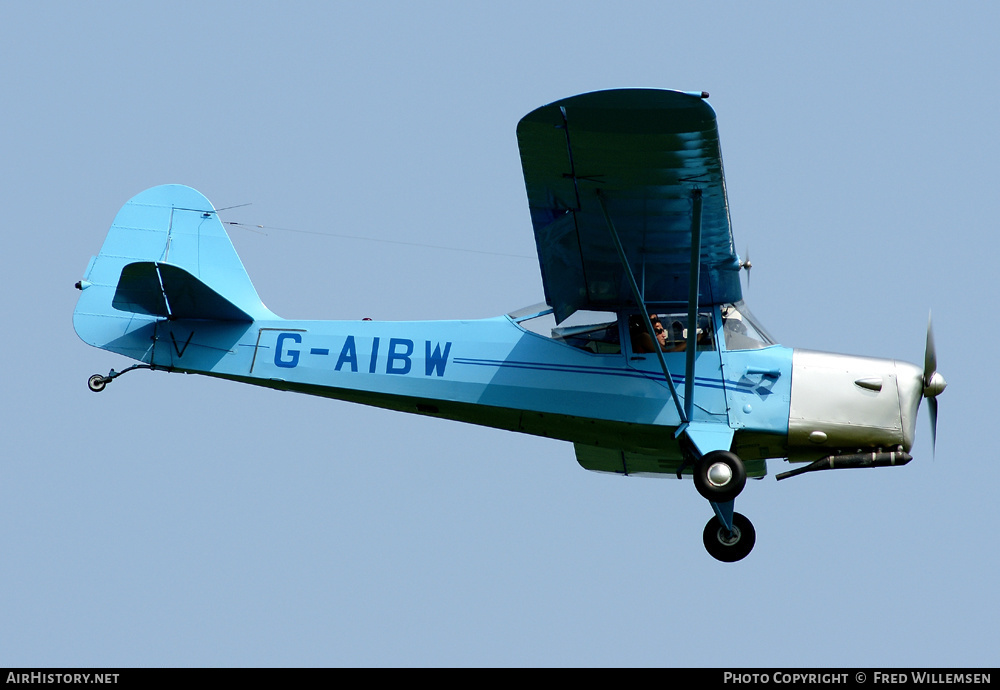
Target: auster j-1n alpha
[643, 355]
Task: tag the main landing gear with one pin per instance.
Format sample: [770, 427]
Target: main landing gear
[97, 382]
[719, 477]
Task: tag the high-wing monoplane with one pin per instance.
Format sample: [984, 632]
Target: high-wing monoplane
[643, 355]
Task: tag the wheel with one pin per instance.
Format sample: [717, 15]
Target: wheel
[727, 546]
[720, 476]
[96, 383]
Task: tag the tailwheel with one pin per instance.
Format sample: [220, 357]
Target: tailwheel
[727, 546]
[720, 476]
[97, 382]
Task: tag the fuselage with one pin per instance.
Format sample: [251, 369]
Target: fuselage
[600, 391]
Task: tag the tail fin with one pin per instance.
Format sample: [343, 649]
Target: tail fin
[165, 256]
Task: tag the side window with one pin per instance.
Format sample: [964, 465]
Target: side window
[671, 332]
[593, 331]
[599, 338]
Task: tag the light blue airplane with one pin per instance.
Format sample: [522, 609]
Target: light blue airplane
[644, 355]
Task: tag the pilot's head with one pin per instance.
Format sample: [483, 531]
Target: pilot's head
[658, 329]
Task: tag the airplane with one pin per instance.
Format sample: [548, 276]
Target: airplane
[644, 354]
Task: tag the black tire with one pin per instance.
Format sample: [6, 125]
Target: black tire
[729, 547]
[713, 490]
[96, 383]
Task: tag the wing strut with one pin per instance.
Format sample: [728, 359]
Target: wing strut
[692, 337]
[685, 418]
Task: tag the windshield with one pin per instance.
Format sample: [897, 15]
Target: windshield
[741, 330]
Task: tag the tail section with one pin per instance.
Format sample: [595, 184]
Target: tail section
[166, 256]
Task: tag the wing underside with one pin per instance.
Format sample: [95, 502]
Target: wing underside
[659, 464]
[643, 155]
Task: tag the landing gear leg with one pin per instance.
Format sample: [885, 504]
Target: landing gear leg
[727, 545]
[97, 382]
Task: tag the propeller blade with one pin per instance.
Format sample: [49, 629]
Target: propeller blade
[932, 408]
[934, 383]
[930, 354]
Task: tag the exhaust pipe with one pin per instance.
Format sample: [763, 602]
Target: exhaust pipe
[837, 462]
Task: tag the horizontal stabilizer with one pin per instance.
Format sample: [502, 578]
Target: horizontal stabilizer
[166, 291]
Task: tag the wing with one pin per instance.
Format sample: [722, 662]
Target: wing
[645, 152]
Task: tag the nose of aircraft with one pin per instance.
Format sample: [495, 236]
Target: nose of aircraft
[847, 402]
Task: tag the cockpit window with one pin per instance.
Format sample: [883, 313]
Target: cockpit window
[671, 331]
[593, 331]
[741, 330]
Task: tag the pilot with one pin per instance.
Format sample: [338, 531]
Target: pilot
[660, 331]
[641, 342]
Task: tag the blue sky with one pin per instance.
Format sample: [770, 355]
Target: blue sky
[175, 520]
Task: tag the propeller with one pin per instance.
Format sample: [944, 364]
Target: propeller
[745, 264]
[934, 383]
